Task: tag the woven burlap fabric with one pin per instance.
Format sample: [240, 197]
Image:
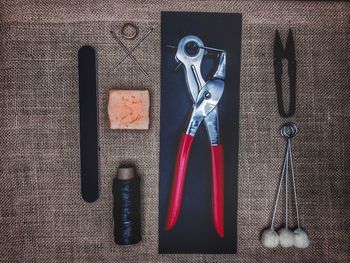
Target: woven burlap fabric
[42, 216]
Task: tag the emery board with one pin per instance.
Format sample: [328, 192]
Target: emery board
[89, 150]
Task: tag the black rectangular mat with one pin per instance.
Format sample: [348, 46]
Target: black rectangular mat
[194, 231]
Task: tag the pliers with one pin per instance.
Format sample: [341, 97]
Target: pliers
[205, 97]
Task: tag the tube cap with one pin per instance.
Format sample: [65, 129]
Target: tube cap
[126, 173]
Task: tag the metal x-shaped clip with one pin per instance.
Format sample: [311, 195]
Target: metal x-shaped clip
[129, 52]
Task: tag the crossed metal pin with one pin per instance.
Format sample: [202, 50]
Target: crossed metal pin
[129, 51]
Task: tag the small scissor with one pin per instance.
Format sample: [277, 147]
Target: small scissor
[205, 97]
[287, 53]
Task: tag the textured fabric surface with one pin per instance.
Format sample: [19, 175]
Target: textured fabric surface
[42, 216]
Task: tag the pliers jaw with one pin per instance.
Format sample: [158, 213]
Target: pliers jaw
[221, 71]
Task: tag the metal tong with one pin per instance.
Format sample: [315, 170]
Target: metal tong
[205, 96]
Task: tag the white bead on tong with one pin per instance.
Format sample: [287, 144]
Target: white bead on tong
[285, 237]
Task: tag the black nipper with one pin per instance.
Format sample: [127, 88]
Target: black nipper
[289, 54]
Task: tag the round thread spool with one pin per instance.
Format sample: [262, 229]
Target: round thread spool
[126, 207]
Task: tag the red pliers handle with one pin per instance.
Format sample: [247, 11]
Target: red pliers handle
[217, 157]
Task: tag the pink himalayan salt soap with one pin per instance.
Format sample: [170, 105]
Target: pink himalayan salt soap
[128, 109]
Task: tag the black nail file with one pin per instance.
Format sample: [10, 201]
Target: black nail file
[89, 149]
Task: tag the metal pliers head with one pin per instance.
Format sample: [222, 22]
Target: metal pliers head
[190, 52]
